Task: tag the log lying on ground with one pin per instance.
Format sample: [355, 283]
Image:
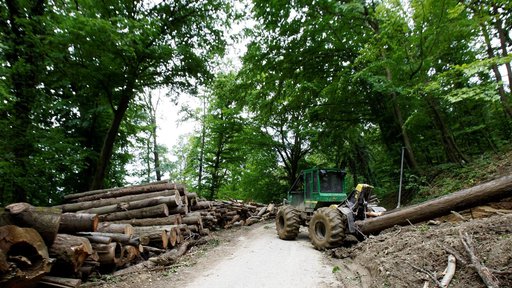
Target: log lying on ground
[45, 220]
[70, 252]
[169, 220]
[23, 256]
[78, 222]
[73, 207]
[120, 191]
[165, 259]
[479, 194]
[146, 212]
[171, 201]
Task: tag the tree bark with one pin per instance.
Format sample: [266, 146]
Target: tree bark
[453, 153]
[110, 138]
[108, 254]
[121, 238]
[108, 227]
[112, 192]
[497, 74]
[45, 220]
[78, 222]
[146, 212]
[70, 252]
[23, 256]
[171, 201]
[169, 220]
[479, 194]
[73, 207]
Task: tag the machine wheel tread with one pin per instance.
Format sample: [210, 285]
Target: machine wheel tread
[287, 223]
[327, 228]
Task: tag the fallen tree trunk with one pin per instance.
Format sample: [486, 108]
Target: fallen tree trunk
[73, 207]
[70, 252]
[108, 227]
[120, 191]
[165, 259]
[479, 194]
[153, 211]
[23, 256]
[171, 201]
[121, 238]
[169, 220]
[45, 220]
[78, 222]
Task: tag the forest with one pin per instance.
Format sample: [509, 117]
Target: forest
[337, 84]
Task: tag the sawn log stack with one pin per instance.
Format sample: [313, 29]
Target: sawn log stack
[109, 230]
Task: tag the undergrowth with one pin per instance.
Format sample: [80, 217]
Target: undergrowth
[448, 178]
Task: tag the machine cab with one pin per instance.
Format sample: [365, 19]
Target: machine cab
[316, 188]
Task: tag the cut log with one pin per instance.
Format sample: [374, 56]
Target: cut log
[109, 254]
[59, 282]
[163, 260]
[121, 238]
[262, 211]
[120, 191]
[73, 207]
[70, 253]
[193, 219]
[153, 211]
[108, 227]
[459, 200]
[201, 205]
[23, 256]
[169, 220]
[78, 222]
[128, 255]
[179, 210]
[192, 199]
[171, 201]
[43, 219]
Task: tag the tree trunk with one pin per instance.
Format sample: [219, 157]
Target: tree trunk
[111, 191]
[171, 201]
[73, 207]
[146, 212]
[498, 24]
[45, 220]
[23, 256]
[109, 141]
[121, 238]
[170, 220]
[497, 74]
[24, 54]
[480, 194]
[70, 252]
[193, 219]
[108, 227]
[121, 191]
[451, 148]
[108, 254]
[78, 222]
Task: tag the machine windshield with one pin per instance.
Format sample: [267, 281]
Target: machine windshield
[331, 181]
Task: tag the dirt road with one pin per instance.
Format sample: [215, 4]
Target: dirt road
[259, 259]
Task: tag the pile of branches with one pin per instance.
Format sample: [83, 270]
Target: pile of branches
[116, 230]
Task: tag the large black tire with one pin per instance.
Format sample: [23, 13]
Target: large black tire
[327, 228]
[287, 223]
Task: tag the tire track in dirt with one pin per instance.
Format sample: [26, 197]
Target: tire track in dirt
[260, 259]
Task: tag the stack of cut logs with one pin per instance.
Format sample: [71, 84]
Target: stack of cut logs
[102, 231]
